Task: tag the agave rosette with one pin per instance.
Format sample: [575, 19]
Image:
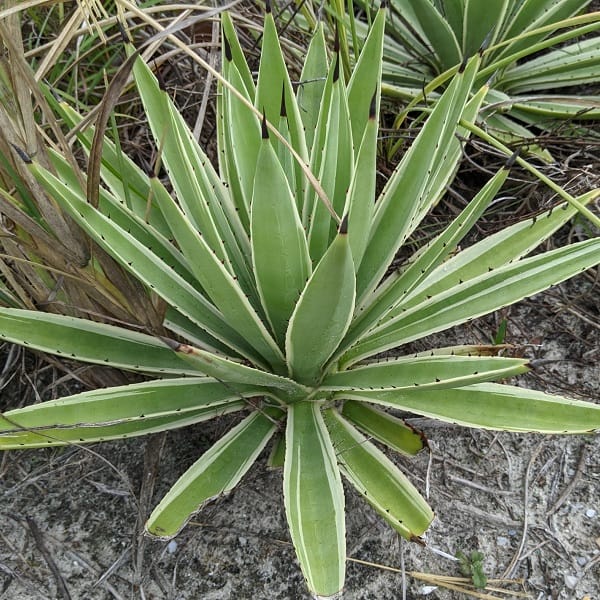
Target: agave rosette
[538, 52]
[273, 273]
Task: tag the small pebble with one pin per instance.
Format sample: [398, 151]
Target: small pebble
[571, 581]
[502, 541]
[172, 547]
[581, 561]
[590, 513]
[512, 532]
[427, 589]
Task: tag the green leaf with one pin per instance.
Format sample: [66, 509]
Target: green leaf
[378, 480]
[404, 194]
[424, 371]
[574, 64]
[312, 83]
[323, 313]
[314, 499]
[87, 341]
[438, 34]
[482, 21]
[488, 292]
[384, 428]
[422, 263]
[215, 473]
[183, 159]
[221, 286]
[121, 412]
[366, 76]
[360, 204]
[493, 406]
[497, 250]
[335, 170]
[279, 249]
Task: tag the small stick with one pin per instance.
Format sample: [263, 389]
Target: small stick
[39, 541]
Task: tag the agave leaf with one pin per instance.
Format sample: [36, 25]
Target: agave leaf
[46, 437]
[427, 372]
[323, 313]
[535, 14]
[312, 83]
[505, 246]
[314, 499]
[482, 21]
[384, 428]
[185, 172]
[157, 275]
[120, 412]
[87, 341]
[242, 142]
[128, 219]
[542, 108]
[360, 205]
[402, 281]
[404, 193]
[123, 177]
[377, 479]
[336, 168]
[279, 249]
[221, 287]
[366, 76]
[234, 372]
[488, 292]
[575, 64]
[273, 90]
[438, 34]
[493, 406]
[317, 154]
[215, 473]
[454, 13]
[233, 49]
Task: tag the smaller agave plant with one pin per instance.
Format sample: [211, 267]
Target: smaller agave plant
[530, 59]
[274, 277]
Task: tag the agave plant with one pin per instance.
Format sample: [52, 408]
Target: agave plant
[530, 58]
[275, 276]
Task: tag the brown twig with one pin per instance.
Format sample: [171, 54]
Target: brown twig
[61, 586]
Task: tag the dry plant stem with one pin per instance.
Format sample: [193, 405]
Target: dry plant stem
[61, 586]
[152, 455]
[305, 168]
[94, 571]
[571, 485]
[517, 555]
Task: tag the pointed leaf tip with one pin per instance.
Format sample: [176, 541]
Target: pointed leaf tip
[513, 159]
[263, 126]
[159, 77]
[22, 154]
[373, 106]
[283, 109]
[227, 48]
[486, 42]
[172, 344]
[124, 33]
[463, 64]
[343, 229]
[336, 68]
[383, 5]
[268, 7]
